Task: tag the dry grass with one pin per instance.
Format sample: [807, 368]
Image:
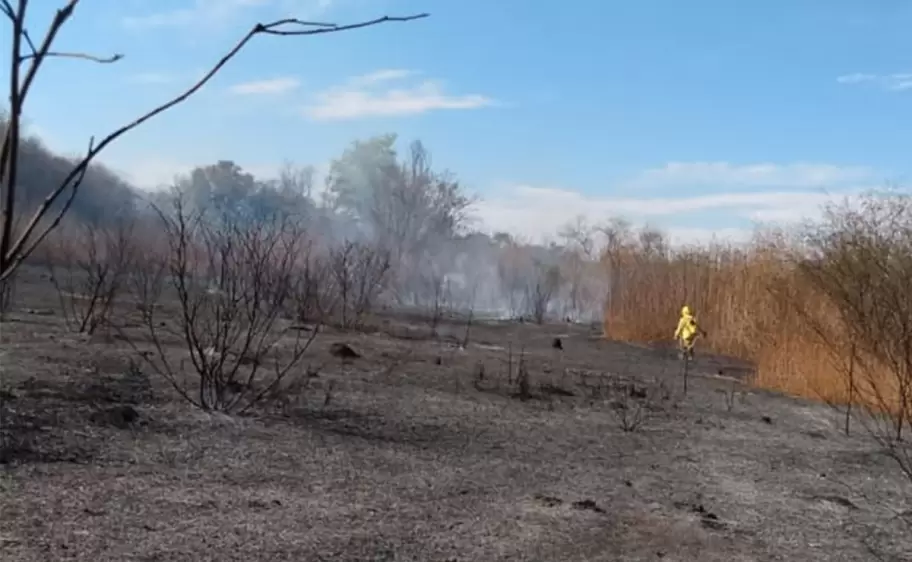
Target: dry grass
[746, 298]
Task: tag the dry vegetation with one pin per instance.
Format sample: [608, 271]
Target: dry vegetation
[201, 361]
[823, 311]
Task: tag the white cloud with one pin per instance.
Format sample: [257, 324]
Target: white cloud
[897, 82]
[856, 78]
[271, 86]
[764, 175]
[378, 76]
[537, 212]
[361, 97]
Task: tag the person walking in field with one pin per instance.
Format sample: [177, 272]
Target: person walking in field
[686, 333]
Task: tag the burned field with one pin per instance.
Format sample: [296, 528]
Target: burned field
[417, 448]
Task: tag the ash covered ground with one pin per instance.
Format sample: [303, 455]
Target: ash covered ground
[421, 450]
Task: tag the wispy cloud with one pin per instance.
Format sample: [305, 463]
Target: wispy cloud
[379, 76]
[272, 86]
[538, 212]
[897, 82]
[366, 96]
[701, 175]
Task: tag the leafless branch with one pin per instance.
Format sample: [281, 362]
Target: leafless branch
[12, 254]
[60, 54]
[84, 56]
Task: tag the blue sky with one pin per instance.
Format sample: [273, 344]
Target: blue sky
[699, 117]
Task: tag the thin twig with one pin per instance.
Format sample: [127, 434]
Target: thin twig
[85, 56]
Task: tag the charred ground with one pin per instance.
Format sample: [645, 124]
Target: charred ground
[421, 449]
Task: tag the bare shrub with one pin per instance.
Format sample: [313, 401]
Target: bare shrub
[231, 278]
[860, 260]
[438, 296]
[511, 265]
[359, 272]
[584, 282]
[541, 290]
[631, 404]
[87, 264]
[314, 295]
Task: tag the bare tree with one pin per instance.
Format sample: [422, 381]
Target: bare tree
[17, 246]
[231, 279]
[87, 267]
[541, 289]
[437, 296]
[577, 251]
[406, 206]
[860, 261]
[315, 294]
[359, 271]
[617, 238]
[512, 266]
[578, 236]
[653, 243]
[296, 180]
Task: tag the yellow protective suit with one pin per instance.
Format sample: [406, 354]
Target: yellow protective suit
[687, 327]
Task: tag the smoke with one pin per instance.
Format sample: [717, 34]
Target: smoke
[419, 218]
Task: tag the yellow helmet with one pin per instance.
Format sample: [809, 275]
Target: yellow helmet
[685, 311]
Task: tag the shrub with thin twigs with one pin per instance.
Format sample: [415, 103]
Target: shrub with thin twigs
[630, 403]
[231, 276]
[860, 261]
[359, 271]
[437, 297]
[541, 290]
[87, 265]
[314, 292]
